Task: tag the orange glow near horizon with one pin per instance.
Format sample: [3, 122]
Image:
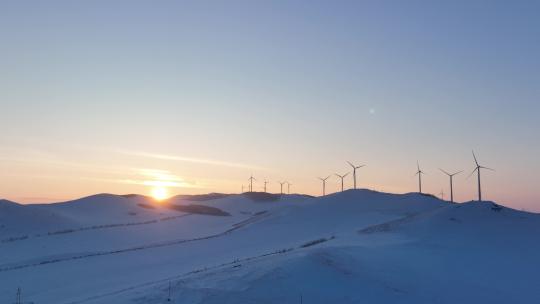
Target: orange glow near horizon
[65, 173]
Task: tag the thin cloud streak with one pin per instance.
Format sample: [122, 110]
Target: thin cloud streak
[150, 183]
[160, 178]
[193, 160]
[158, 183]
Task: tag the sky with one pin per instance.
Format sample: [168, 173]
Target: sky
[195, 96]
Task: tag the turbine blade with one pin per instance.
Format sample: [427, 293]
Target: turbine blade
[487, 168]
[475, 160]
[445, 172]
[457, 173]
[350, 164]
[472, 173]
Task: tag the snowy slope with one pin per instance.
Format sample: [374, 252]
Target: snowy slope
[469, 253]
[347, 247]
[108, 208]
[20, 221]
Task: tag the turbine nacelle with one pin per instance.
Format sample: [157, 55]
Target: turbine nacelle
[478, 166]
[450, 174]
[419, 170]
[355, 167]
[343, 176]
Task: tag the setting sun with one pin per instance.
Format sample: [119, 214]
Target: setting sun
[159, 193]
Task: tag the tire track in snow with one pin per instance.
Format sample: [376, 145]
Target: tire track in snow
[393, 224]
[199, 270]
[236, 226]
[87, 228]
[176, 277]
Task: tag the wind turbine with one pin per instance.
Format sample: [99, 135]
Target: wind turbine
[451, 183]
[242, 188]
[324, 184]
[281, 187]
[289, 187]
[354, 171]
[419, 173]
[477, 169]
[251, 179]
[342, 177]
[442, 194]
[265, 182]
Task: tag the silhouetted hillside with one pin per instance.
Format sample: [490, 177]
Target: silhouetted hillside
[201, 197]
[199, 209]
[262, 196]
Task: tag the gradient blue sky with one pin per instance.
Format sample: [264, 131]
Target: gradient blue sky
[114, 96]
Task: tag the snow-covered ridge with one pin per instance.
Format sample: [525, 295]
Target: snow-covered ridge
[349, 247]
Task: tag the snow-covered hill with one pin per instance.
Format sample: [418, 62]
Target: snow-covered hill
[358, 246]
[19, 221]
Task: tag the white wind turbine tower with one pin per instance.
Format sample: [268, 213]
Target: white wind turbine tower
[324, 184]
[281, 187]
[288, 187]
[354, 171]
[419, 173]
[251, 179]
[265, 182]
[477, 169]
[342, 178]
[451, 176]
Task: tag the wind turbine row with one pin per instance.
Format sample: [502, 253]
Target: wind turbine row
[418, 173]
[451, 176]
[250, 187]
[342, 177]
